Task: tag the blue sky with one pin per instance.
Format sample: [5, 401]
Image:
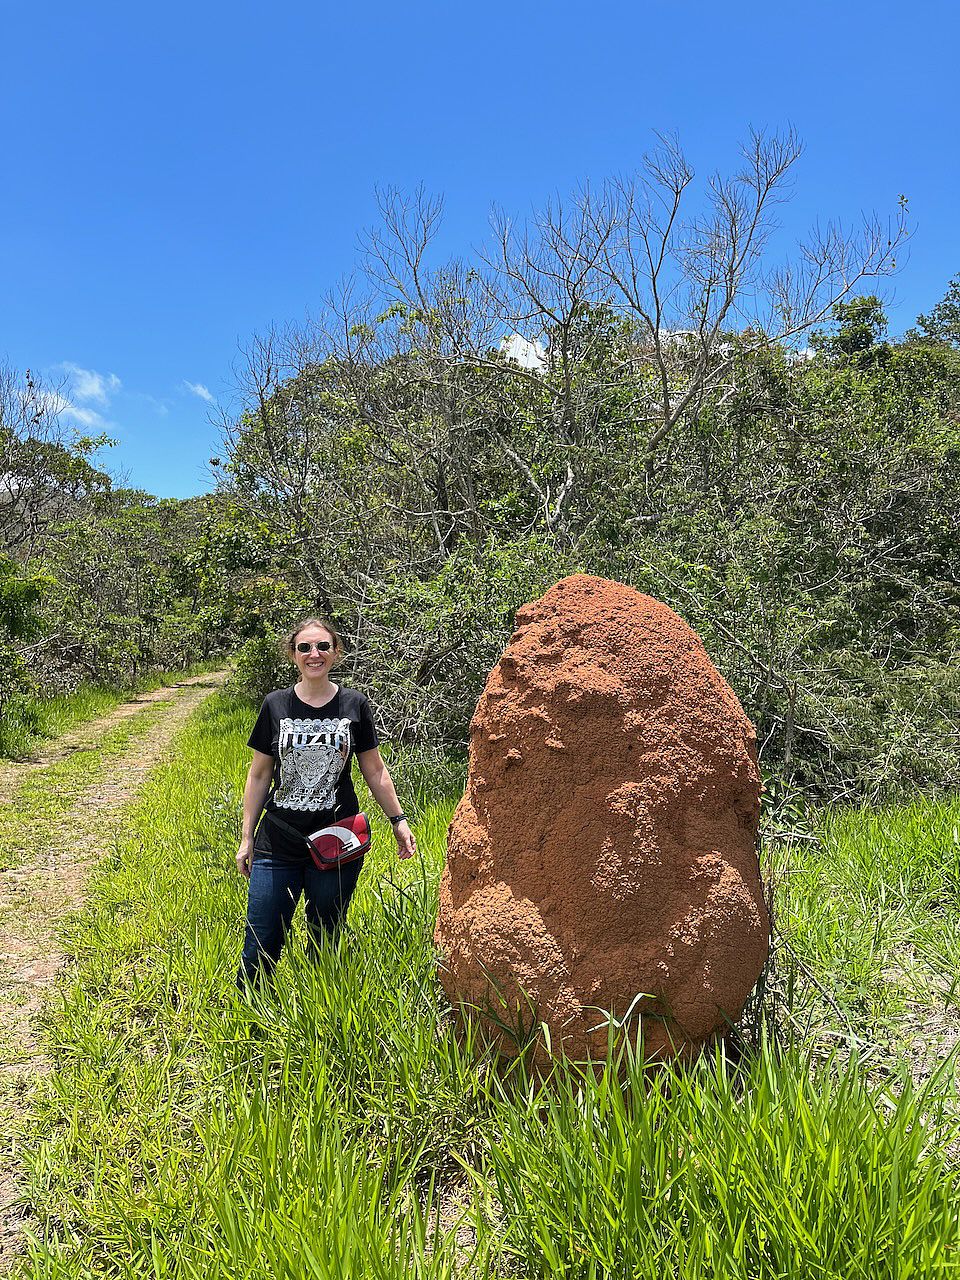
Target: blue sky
[177, 177]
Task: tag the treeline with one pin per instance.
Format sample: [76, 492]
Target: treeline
[612, 388]
[620, 388]
[803, 519]
[98, 584]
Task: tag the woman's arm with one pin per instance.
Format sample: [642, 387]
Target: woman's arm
[259, 777]
[377, 777]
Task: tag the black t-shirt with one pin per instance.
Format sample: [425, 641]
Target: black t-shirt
[313, 750]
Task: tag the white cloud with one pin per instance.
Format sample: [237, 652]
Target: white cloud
[58, 405]
[86, 417]
[198, 389]
[159, 407]
[527, 354]
[87, 384]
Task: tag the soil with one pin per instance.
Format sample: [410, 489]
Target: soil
[44, 886]
[604, 855]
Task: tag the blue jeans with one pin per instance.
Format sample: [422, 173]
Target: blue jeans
[275, 889]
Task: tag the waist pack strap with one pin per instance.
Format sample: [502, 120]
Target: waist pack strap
[284, 826]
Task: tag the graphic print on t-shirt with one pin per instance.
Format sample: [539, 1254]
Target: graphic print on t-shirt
[312, 756]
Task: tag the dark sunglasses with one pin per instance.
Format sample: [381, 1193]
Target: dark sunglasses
[321, 646]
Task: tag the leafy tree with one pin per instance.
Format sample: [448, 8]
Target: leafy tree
[861, 324]
[943, 322]
[21, 594]
[130, 572]
[45, 472]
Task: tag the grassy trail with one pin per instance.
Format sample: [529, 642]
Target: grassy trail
[88, 735]
[61, 815]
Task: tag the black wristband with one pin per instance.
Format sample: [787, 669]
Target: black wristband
[401, 817]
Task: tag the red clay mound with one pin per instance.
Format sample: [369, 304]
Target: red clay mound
[606, 844]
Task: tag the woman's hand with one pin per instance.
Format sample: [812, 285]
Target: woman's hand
[377, 777]
[406, 845]
[245, 857]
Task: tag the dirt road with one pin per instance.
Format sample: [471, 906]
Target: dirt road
[47, 864]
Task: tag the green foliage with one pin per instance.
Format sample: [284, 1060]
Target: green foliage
[801, 516]
[21, 593]
[861, 323]
[127, 568]
[100, 587]
[20, 596]
[259, 666]
[429, 643]
[943, 322]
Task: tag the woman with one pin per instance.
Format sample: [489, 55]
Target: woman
[303, 744]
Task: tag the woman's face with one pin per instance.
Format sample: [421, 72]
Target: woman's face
[315, 662]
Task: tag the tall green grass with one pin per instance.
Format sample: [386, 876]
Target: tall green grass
[340, 1127]
[770, 1171]
[870, 905]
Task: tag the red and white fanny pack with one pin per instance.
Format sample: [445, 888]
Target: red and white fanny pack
[343, 840]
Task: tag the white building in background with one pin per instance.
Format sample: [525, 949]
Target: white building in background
[527, 354]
